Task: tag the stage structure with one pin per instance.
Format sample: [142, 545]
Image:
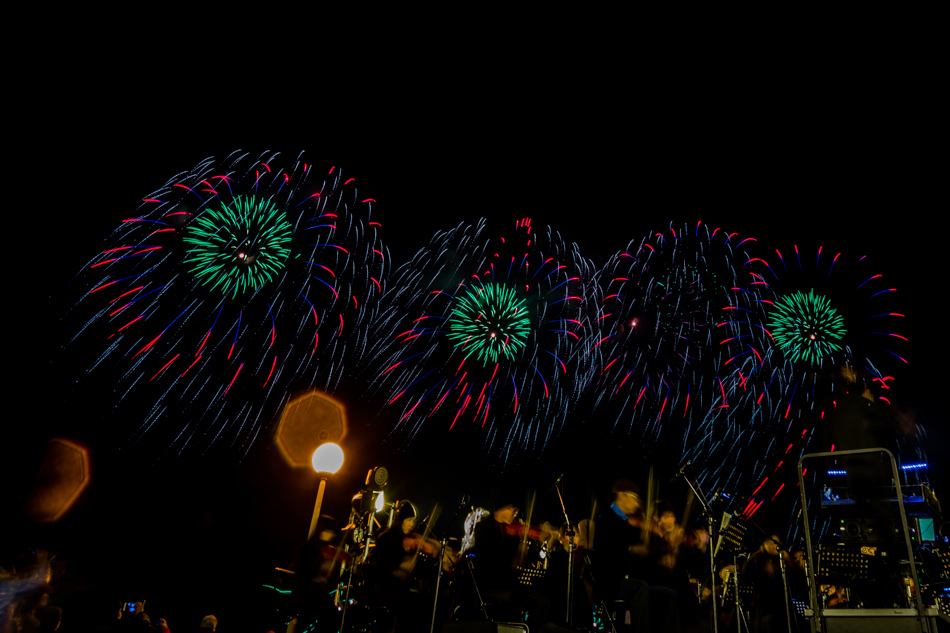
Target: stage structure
[869, 558]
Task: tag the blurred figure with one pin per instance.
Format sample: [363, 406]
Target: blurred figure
[726, 594]
[497, 549]
[38, 617]
[798, 574]
[23, 589]
[768, 598]
[49, 618]
[855, 421]
[162, 626]
[679, 555]
[25, 618]
[396, 556]
[666, 527]
[134, 620]
[555, 580]
[835, 597]
[627, 558]
[208, 623]
[317, 567]
[665, 520]
[620, 569]
[827, 494]
[395, 547]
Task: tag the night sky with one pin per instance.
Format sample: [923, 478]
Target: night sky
[603, 157]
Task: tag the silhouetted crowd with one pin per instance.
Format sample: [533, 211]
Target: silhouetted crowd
[27, 593]
[634, 566]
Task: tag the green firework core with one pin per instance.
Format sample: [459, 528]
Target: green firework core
[490, 323]
[238, 247]
[806, 327]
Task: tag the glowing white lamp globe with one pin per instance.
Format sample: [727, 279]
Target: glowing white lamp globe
[328, 458]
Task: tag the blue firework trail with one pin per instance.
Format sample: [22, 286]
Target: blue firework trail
[857, 294]
[245, 279]
[235, 283]
[488, 338]
[672, 315]
[683, 354]
[833, 328]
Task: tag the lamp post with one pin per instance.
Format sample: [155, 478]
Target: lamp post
[327, 460]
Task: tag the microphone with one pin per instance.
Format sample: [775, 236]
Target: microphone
[681, 472]
[559, 479]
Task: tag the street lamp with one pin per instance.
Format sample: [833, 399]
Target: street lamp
[327, 460]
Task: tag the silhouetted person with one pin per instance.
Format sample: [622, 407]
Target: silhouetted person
[50, 618]
[627, 556]
[497, 543]
[763, 571]
[855, 420]
[316, 566]
[134, 620]
[396, 555]
[555, 579]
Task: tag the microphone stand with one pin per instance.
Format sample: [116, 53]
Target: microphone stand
[788, 596]
[442, 544]
[570, 557]
[346, 597]
[478, 592]
[365, 556]
[740, 615]
[710, 527]
[783, 569]
[603, 603]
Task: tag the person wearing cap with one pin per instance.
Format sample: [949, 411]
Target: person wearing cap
[496, 549]
[392, 557]
[626, 551]
[317, 567]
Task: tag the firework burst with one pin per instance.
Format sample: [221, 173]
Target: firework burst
[489, 338]
[806, 327]
[238, 248]
[829, 311]
[674, 330]
[489, 322]
[830, 332]
[686, 364]
[235, 283]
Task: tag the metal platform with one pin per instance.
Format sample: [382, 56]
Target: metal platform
[875, 620]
